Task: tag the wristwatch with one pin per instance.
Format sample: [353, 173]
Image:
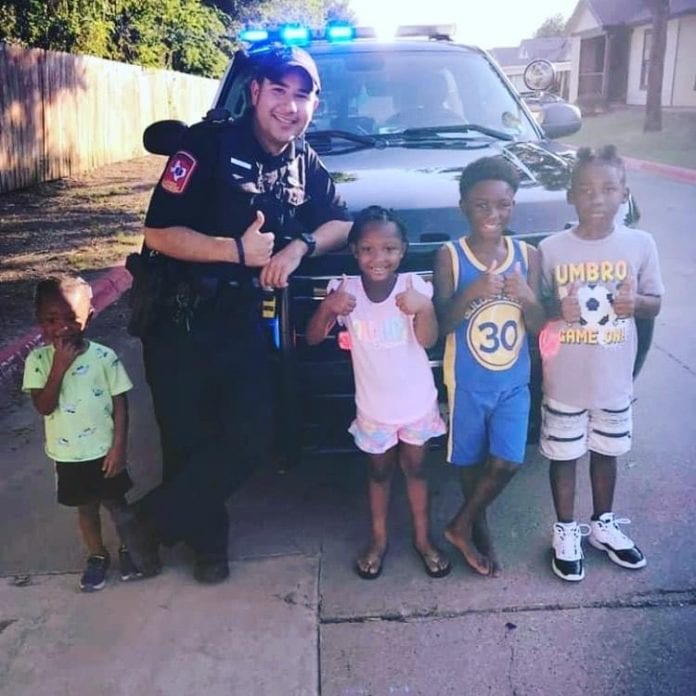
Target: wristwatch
[310, 240]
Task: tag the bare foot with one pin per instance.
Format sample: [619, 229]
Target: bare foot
[471, 555]
[368, 565]
[481, 537]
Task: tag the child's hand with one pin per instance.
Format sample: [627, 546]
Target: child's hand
[570, 305]
[625, 298]
[490, 284]
[515, 286]
[410, 301]
[65, 353]
[340, 302]
[114, 461]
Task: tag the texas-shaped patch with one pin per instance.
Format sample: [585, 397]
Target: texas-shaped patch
[178, 173]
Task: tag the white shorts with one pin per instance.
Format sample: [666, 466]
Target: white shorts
[567, 432]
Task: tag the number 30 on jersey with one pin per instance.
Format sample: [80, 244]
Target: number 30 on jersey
[495, 335]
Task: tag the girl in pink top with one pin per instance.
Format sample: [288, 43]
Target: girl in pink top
[391, 321]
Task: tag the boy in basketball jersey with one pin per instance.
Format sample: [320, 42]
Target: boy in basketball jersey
[486, 297]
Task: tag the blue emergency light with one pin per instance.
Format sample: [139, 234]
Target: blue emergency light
[294, 34]
[335, 32]
[340, 32]
[254, 35]
[299, 35]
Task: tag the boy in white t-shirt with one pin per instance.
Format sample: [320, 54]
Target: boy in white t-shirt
[391, 321]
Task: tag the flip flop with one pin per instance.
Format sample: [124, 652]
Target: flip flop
[375, 567]
[434, 559]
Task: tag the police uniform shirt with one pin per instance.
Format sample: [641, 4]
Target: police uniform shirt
[221, 176]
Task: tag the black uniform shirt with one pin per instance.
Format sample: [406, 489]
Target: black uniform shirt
[221, 176]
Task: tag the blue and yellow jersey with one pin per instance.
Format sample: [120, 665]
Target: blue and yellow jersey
[488, 350]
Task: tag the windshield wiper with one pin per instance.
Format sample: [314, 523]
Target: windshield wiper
[429, 131]
[323, 141]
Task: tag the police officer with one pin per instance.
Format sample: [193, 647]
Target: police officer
[235, 211]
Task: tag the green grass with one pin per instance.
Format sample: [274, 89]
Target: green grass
[675, 144]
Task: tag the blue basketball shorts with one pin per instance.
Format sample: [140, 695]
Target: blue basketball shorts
[488, 424]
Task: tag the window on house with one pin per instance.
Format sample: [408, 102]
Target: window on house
[645, 60]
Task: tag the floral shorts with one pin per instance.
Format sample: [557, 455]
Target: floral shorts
[374, 437]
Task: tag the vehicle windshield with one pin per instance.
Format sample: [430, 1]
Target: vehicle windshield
[373, 93]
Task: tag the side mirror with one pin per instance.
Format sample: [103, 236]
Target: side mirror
[539, 75]
[560, 119]
[163, 137]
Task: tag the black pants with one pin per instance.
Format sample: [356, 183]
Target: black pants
[212, 398]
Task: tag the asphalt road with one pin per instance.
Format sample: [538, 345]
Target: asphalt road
[294, 618]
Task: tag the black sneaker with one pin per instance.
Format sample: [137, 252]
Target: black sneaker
[94, 577]
[126, 565]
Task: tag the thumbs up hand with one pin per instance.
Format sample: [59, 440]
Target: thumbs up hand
[257, 245]
[489, 284]
[339, 301]
[410, 301]
[625, 298]
[515, 286]
[570, 305]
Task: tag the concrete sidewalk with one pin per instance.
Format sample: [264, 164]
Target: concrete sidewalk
[294, 618]
[170, 636]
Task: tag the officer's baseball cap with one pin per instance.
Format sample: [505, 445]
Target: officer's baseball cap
[275, 62]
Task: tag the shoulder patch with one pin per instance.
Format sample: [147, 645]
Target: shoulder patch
[178, 173]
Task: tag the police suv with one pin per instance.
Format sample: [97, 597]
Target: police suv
[397, 123]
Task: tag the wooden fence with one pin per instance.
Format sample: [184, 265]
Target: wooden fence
[61, 114]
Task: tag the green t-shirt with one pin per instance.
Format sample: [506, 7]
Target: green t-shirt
[81, 427]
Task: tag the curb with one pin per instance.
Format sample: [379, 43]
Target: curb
[106, 289]
[668, 171]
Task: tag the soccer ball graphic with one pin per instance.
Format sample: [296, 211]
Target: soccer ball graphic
[596, 309]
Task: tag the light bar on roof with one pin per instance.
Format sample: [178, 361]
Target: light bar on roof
[300, 35]
[294, 34]
[430, 30]
[253, 35]
[340, 32]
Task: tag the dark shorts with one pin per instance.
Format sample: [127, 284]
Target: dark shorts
[79, 483]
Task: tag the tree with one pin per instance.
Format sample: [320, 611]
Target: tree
[656, 64]
[555, 25]
[193, 36]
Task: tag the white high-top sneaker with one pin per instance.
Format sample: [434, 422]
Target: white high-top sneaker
[605, 535]
[567, 550]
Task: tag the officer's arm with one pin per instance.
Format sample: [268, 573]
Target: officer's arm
[331, 235]
[327, 214]
[181, 199]
[183, 243]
